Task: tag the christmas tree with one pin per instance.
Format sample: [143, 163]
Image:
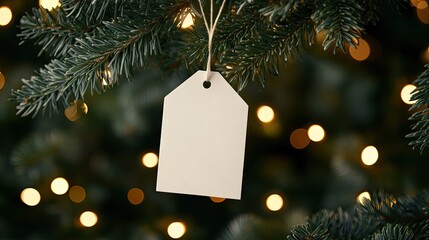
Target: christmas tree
[326, 121]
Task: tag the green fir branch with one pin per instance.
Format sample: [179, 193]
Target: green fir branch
[254, 57]
[421, 96]
[341, 22]
[119, 46]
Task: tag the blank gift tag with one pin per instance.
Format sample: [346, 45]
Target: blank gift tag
[203, 139]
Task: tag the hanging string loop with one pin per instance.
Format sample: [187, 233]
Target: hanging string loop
[210, 26]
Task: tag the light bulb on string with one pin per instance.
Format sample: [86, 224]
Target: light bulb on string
[188, 21]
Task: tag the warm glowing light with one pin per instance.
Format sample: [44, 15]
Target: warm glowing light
[176, 230]
[299, 138]
[77, 194]
[76, 110]
[274, 202]
[106, 78]
[135, 196]
[30, 196]
[88, 219]
[423, 14]
[188, 21]
[406, 93]
[5, 15]
[369, 155]
[150, 160]
[2, 80]
[415, 3]
[265, 114]
[363, 195]
[422, 5]
[49, 4]
[59, 186]
[316, 133]
[361, 52]
[217, 199]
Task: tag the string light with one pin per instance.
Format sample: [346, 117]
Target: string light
[77, 194]
[369, 155]
[59, 186]
[76, 110]
[217, 199]
[49, 4]
[423, 14]
[88, 219]
[299, 138]
[316, 133]
[422, 5]
[406, 93]
[30, 196]
[362, 196]
[176, 230]
[5, 15]
[274, 202]
[265, 114]
[135, 196]
[150, 160]
[2, 80]
[188, 21]
[361, 52]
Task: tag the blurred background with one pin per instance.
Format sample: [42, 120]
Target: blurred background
[329, 129]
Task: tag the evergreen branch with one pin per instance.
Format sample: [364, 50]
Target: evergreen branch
[254, 57]
[240, 228]
[279, 12]
[341, 22]
[421, 96]
[372, 9]
[119, 46]
[383, 217]
[52, 30]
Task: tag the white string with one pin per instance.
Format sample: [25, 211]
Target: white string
[210, 32]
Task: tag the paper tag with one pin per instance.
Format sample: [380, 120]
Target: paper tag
[203, 139]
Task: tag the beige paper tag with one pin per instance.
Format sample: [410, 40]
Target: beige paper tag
[203, 139]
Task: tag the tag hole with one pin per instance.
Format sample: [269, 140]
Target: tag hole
[207, 84]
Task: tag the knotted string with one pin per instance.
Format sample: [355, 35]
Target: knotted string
[210, 31]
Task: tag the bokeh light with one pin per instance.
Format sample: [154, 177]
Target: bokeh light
[188, 21]
[5, 15]
[316, 133]
[361, 52]
[299, 138]
[49, 4]
[59, 186]
[423, 15]
[274, 202]
[265, 114]
[363, 195]
[2, 80]
[30, 196]
[88, 219]
[406, 93]
[76, 110]
[369, 155]
[77, 194]
[135, 196]
[422, 5]
[217, 199]
[150, 160]
[176, 230]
